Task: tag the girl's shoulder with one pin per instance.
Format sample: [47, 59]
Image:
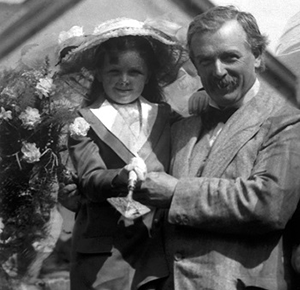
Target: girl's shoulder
[166, 110]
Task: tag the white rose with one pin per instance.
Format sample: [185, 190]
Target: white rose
[30, 118]
[30, 152]
[79, 127]
[44, 86]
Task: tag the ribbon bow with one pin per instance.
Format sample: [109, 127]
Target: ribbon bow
[212, 116]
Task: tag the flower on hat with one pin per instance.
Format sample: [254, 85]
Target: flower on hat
[30, 118]
[74, 31]
[79, 127]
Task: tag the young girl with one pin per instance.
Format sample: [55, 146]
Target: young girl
[123, 117]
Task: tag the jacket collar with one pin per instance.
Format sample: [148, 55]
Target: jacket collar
[101, 117]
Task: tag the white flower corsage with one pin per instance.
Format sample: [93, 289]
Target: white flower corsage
[79, 128]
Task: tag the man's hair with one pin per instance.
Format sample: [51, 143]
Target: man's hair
[214, 18]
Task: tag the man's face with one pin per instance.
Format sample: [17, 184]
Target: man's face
[225, 63]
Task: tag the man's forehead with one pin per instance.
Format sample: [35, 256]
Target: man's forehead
[227, 29]
[231, 35]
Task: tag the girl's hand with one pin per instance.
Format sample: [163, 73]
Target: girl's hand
[136, 164]
[123, 175]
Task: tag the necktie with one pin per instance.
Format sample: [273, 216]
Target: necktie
[212, 116]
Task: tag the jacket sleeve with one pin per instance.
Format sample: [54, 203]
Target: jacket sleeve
[95, 179]
[262, 202]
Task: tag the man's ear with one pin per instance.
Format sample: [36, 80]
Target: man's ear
[257, 62]
[258, 59]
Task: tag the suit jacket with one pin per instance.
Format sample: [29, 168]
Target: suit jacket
[98, 158]
[232, 205]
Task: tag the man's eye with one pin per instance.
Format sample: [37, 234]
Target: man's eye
[230, 58]
[204, 62]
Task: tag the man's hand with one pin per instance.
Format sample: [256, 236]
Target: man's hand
[198, 103]
[156, 190]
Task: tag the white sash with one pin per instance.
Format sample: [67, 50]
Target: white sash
[115, 123]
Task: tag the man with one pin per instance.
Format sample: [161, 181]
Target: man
[234, 186]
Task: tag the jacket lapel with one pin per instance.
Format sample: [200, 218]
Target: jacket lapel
[185, 135]
[240, 128]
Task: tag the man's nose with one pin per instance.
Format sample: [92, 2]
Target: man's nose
[219, 69]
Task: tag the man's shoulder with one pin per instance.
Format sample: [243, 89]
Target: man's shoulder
[286, 116]
[283, 111]
[281, 100]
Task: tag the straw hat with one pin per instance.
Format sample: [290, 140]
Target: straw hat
[83, 56]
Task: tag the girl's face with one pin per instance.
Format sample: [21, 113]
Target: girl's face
[123, 77]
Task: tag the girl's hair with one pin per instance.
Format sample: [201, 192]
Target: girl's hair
[163, 62]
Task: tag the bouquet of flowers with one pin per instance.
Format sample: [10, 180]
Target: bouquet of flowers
[35, 109]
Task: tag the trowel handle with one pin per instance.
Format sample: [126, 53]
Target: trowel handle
[132, 179]
[129, 195]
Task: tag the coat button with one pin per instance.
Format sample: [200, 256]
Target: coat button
[178, 220]
[182, 220]
[178, 256]
[185, 220]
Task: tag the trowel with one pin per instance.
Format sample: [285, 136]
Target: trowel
[127, 206]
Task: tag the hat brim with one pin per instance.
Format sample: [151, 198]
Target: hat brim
[83, 55]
